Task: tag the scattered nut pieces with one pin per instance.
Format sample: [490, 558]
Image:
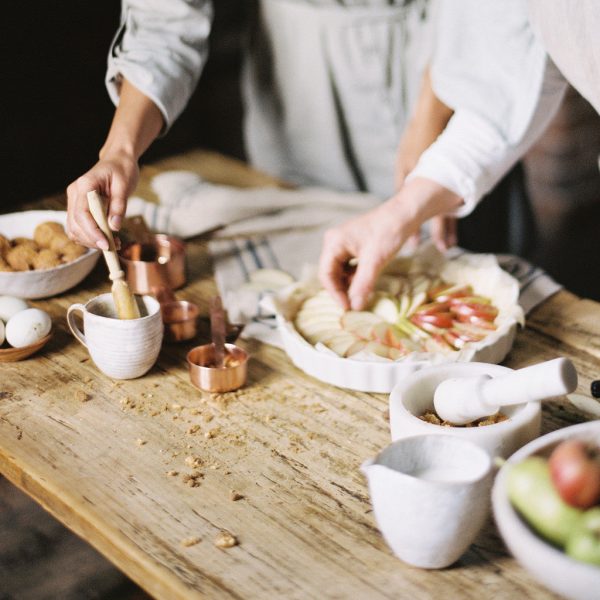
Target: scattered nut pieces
[193, 461]
[193, 429]
[434, 419]
[141, 442]
[235, 496]
[82, 396]
[224, 539]
[190, 541]
[193, 479]
[172, 473]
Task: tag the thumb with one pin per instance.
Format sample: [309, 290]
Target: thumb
[363, 282]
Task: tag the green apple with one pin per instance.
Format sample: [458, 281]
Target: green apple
[532, 493]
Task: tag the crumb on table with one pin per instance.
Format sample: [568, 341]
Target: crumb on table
[224, 539]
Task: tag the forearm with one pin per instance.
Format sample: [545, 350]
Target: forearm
[136, 124]
[419, 200]
[430, 114]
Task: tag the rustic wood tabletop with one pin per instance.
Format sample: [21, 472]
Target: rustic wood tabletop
[150, 471]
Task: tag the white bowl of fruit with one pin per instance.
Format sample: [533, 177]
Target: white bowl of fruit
[546, 502]
[426, 310]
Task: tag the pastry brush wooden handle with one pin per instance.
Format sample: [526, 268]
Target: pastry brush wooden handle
[125, 303]
[112, 260]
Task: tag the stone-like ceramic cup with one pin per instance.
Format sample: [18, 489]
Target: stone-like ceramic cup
[121, 349]
[430, 496]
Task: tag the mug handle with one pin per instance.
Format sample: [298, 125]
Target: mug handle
[71, 322]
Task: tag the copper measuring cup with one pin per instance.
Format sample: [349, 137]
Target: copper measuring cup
[158, 261]
[206, 376]
[180, 317]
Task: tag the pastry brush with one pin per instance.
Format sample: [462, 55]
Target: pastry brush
[125, 303]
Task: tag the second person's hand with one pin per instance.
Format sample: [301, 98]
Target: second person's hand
[114, 176]
[372, 239]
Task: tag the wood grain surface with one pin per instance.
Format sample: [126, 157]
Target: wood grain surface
[150, 471]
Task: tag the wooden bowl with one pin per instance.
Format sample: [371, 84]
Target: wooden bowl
[16, 354]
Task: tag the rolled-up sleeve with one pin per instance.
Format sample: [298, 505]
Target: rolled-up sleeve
[495, 74]
[160, 47]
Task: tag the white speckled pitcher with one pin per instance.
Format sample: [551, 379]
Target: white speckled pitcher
[430, 496]
[121, 349]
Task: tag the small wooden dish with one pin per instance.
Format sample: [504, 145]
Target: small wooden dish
[16, 354]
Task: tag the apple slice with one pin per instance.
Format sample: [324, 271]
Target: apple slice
[411, 330]
[365, 332]
[443, 320]
[469, 333]
[433, 308]
[378, 349]
[322, 336]
[395, 353]
[404, 304]
[355, 319]
[453, 338]
[387, 334]
[445, 292]
[437, 343]
[470, 300]
[341, 344]
[386, 308]
[477, 321]
[417, 300]
[356, 348]
[484, 311]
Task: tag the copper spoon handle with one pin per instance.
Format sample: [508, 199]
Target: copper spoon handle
[217, 328]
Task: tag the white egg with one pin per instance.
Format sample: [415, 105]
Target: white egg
[28, 327]
[1, 333]
[9, 306]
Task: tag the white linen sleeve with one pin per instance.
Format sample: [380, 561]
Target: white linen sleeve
[494, 73]
[160, 47]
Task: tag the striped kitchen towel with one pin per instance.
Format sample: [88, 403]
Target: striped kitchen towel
[275, 228]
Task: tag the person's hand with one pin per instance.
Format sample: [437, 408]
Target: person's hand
[373, 238]
[114, 177]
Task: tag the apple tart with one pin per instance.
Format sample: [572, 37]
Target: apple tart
[426, 310]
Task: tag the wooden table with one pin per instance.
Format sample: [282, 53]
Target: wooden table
[116, 468]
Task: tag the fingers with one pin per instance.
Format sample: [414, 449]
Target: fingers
[81, 226]
[451, 231]
[332, 273]
[443, 232]
[112, 179]
[370, 263]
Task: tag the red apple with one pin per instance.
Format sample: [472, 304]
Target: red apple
[575, 471]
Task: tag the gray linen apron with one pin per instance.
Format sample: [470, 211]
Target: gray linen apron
[329, 87]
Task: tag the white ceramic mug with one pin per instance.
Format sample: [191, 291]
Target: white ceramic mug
[120, 348]
[430, 496]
